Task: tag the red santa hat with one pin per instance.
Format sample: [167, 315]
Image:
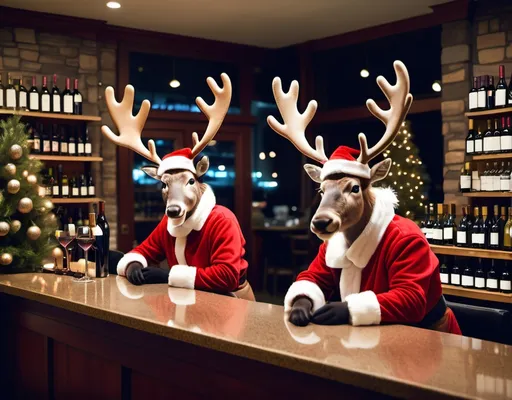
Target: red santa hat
[179, 159]
[343, 161]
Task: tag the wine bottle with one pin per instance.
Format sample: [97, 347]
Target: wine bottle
[496, 177]
[507, 232]
[509, 94]
[437, 228]
[72, 144]
[473, 96]
[56, 97]
[495, 235]
[81, 145]
[462, 230]
[10, 94]
[470, 139]
[485, 178]
[33, 96]
[75, 190]
[490, 97]
[77, 99]
[505, 280]
[79, 219]
[449, 227]
[36, 141]
[83, 186]
[478, 230]
[487, 222]
[65, 186]
[487, 139]
[46, 103]
[2, 93]
[444, 272]
[430, 224]
[479, 276]
[105, 227]
[496, 137]
[479, 141]
[482, 93]
[87, 144]
[491, 283]
[63, 141]
[501, 89]
[47, 140]
[506, 135]
[465, 179]
[97, 253]
[91, 190]
[22, 96]
[423, 223]
[55, 140]
[455, 274]
[467, 278]
[67, 99]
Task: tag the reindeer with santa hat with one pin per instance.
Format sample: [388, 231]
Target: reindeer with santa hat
[377, 263]
[201, 241]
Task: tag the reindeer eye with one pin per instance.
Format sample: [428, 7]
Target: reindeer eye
[355, 189]
[164, 185]
[191, 181]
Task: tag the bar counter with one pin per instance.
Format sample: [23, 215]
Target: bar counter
[110, 339]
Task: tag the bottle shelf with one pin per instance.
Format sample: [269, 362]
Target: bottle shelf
[487, 194]
[497, 156]
[48, 157]
[470, 252]
[488, 113]
[477, 294]
[78, 200]
[33, 114]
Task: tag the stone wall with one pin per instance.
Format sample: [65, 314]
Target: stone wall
[25, 52]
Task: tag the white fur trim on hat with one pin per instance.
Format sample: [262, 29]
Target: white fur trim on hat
[364, 308]
[345, 167]
[304, 288]
[182, 276]
[129, 258]
[176, 162]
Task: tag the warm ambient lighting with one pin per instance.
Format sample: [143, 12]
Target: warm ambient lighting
[274, 174]
[174, 83]
[222, 167]
[364, 73]
[436, 86]
[262, 156]
[272, 154]
[113, 4]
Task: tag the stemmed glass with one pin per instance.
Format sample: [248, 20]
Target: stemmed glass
[65, 238]
[85, 240]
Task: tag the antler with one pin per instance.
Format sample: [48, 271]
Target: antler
[400, 101]
[295, 123]
[130, 127]
[215, 113]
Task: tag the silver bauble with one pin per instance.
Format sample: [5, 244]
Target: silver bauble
[13, 186]
[15, 152]
[25, 205]
[33, 232]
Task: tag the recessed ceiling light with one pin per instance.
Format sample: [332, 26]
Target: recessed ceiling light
[436, 86]
[364, 73]
[113, 4]
[174, 83]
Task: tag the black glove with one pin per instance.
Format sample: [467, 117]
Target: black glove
[134, 273]
[155, 275]
[332, 314]
[301, 311]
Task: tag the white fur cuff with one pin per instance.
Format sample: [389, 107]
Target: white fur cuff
[129, 258]
[182, 276]
[345, 167]
[304, 288]
[364, 308]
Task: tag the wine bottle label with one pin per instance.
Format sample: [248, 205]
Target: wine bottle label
[56, 103]
[461, 237]
[480, 283]
[478, 145]
[81, 148]
[492, 283]
[75, 192]
[45, 102]
[23, 100]
[88, 149]
[455, 279]
[448, 233]
[495, 239]
[496, 183]
[55, 190]
[64, 147]
[505, 184]
[1, 98]
[477, 238]
[83, 191]
[65, 190]
[55, 146]
[430, 233]
[92, 190]
[10, 98]
[475, 185]
[438, 234]
[473, 100]
[506, 143]
[47, 146]
[48, 191]
[468, 281]
[78, 98]
[445, 278]
[470, 146]
[37, 144]
[34, 101]
[465, 182]
[495, 143]
[72, 148]
[501, 97]
[505, 285]
[68, 104]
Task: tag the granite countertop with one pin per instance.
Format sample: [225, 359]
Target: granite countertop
[396, 360]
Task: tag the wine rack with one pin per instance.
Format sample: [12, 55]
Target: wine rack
[77, 200]
[44, 157]
[477, 294]
[471, 252]
[496, 156]
[489, 113]
[487, 194]
[32, 114]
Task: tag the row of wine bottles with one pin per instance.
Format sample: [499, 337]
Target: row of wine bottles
[496, 139]
[485, 96]
[474, 273]
[59, 185]
[60, 140]
[15, 96]
[477, 229]
[495, 178]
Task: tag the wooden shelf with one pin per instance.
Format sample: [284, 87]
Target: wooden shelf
[489, 113]
[45, 157]
[497, 156]
[52, 115]
[477, 294]
[488, 194]
[469, 252]
[79, 200]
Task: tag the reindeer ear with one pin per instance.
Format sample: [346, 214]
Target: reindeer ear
[380, 170]
[314, 172]
[152, 172]
[202, 166]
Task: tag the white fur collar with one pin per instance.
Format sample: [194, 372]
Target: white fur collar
[359, 253]
[197, 219]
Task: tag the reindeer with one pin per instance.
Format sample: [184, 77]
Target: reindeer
[360, 231]
[190, 204]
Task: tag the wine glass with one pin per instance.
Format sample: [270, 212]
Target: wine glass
[85, 240]
[65, 238]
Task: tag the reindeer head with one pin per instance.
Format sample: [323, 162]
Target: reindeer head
[345, 181]
[181, 190]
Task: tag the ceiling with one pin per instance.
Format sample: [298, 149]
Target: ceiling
[265, 23]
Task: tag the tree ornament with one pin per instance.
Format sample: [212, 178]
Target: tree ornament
[32, 179]
[13, 186]
[6, 259]
[4, 228]
[10, 169]
[15, 225]
[25, 174]
[15, 152]
[48, 204]
[33, 232]
[25, 205]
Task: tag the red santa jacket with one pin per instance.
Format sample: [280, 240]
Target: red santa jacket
[205, 253]
[388, 274]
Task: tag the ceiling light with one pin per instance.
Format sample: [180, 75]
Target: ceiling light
[222, 167]
[174, 83]
[272, 154]
[113, 4]
[364, 73]
[212, 142]
[262, 156]
[274, 174]
[436, 86]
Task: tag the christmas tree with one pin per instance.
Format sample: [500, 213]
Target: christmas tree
[407, 175]
[26, 220]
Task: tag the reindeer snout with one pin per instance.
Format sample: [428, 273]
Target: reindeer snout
[173, 211]
[321, 224]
